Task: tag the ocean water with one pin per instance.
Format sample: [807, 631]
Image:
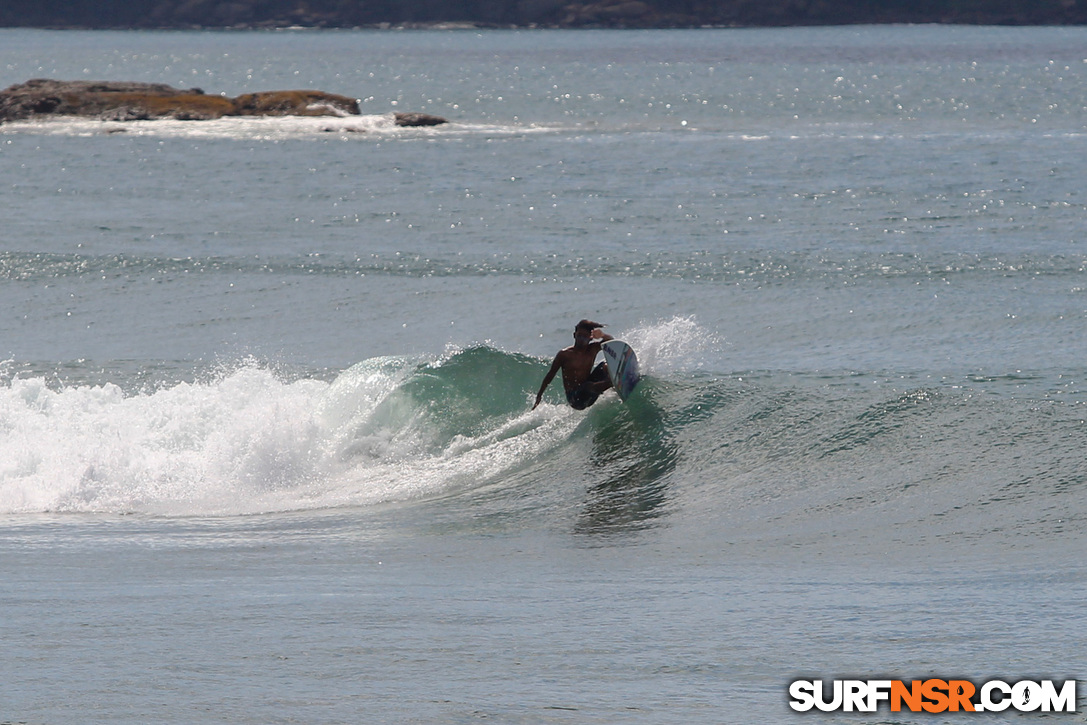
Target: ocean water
[266, 446]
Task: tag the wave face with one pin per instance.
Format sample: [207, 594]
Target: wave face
[772, 459]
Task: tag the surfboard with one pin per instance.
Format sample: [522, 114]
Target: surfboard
[622, 366]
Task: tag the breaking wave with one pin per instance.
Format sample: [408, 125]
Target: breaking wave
[775, 458]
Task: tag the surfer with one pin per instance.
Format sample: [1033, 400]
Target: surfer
[582, 382]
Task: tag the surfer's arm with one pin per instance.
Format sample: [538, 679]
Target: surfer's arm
[555, 366]
[601, 336]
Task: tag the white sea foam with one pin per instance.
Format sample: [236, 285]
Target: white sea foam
[190, 447]
[259, 128]
[678, 344]
[246, 442]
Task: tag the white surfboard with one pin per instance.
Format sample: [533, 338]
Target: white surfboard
[622, 366]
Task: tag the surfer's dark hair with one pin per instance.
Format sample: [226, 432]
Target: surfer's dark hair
[587, 325]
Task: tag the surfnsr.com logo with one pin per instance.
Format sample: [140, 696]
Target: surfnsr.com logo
[933, 695]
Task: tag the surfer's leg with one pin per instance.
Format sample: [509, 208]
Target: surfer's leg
[586, 394]
[581, 398]
[599, 381]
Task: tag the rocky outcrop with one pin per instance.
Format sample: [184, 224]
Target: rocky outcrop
[417, 119]
[120, 101]
[294, 103]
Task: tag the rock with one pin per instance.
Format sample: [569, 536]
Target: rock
[295, 103]
[122, 101]
[418, 119]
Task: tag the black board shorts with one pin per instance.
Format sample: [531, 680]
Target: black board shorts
[586, 394]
